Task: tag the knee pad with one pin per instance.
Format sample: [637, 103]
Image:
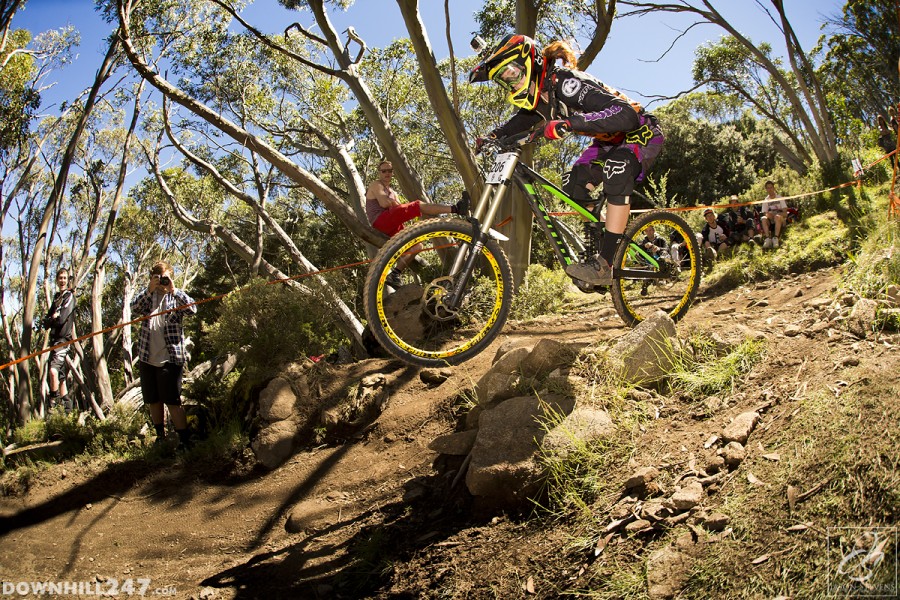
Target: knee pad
[620, 168]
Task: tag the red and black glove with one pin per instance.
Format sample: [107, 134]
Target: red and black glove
[480, 141]
[556, 130]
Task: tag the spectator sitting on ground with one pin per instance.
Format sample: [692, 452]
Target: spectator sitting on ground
[739, 223]
[774, 215]
[388, 215]
[654, 244]
[715, 235]
[676, 249]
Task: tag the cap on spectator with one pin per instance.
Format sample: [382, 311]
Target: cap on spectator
[707, 211]
[734, 198]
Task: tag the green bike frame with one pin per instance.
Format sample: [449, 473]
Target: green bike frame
[530, 181]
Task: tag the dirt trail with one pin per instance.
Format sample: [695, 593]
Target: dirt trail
[197, 531]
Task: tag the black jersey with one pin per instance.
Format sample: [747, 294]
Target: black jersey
[591, 107]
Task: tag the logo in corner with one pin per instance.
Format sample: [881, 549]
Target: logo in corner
[864, 562]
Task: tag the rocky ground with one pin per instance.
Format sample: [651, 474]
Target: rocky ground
[379, 515]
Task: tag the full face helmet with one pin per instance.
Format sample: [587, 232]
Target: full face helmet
[517, 66]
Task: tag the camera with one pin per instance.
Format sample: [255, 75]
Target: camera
[164, 280]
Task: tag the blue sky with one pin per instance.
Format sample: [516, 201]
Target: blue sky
[623, 63]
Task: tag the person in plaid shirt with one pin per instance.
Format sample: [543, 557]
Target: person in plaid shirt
[161, 349]
[60, 321]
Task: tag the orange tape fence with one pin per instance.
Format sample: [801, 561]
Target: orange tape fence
[893, 210]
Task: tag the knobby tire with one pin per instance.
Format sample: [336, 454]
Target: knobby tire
[410, 322]
[636, 299]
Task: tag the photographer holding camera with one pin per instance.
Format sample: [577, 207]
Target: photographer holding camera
[161, 349]
[61, 324]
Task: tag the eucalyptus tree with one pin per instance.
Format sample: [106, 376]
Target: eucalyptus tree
[255, 195]
[110, 161]
[860, 64]
[798, 83]
[49, 208]
[707, 160]
[187, 24]
[245, 80]
[729, 69]
[347, 56]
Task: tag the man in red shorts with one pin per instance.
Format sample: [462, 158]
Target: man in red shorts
[387, 214]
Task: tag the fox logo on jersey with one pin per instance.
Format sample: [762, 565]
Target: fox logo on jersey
[639, 136]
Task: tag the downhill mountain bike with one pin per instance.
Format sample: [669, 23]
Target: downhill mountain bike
[456, 286]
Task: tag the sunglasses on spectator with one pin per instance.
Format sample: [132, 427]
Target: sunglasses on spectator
[387, 170]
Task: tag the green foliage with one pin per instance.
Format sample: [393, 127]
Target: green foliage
[225, 442]
[115, 434]
[876, 265]
[859, 71]
[542, 293]
[705, 370]
[272, 324]
[32, 432]
[816, 241]
[580, 475]
[657, 190]
[704, 161]
[18, 99]
[220, 400]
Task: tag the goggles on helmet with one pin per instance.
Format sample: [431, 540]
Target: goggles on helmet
[514, 65]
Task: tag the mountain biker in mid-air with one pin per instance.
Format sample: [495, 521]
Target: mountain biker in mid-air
[564, 99]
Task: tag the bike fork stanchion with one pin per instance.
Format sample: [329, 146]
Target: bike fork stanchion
[465, 272]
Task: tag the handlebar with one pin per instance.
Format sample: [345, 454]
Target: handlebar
[507, 143]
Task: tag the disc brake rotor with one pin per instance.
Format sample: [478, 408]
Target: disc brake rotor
[436, 293]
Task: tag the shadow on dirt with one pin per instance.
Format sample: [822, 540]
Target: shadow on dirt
[330, 562]
[112, 482]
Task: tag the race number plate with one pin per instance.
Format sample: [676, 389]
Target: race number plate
[496, 173]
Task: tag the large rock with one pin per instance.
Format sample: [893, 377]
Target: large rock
[734, 454]
[647, 353]
[503, 471]
[862, 318]
[276, 402]
[404, 310]
[582, 425]
[667, 573]
[547, 355]
[435, 376]
[454, 444]
[275, 443]
[642, 477]
[740, 429]
[500, 380]
[511, 344]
